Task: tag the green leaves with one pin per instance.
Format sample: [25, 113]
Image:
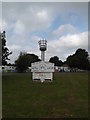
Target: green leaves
[24, 61]
[79, 59]
[5, 50]
[56, 61]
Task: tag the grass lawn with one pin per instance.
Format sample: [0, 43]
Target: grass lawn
[66, 96]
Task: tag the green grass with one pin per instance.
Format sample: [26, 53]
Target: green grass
[66, 96]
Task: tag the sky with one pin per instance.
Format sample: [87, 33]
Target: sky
[63, 24]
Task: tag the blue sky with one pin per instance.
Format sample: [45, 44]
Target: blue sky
[64, 25]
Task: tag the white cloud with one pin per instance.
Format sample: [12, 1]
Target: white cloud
[74, 40]
[36, 38]
[27, 16]
[67, 45]
[19, 27]
[42, 14]
[3, 25]
[62, 47]
[65, 29]
[39, 16]
[14, 47]
[23, 20]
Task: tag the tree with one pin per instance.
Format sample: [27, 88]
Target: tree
[24, 61]
[56, 61]
[79, 59]
[32, 58]
[5, 50]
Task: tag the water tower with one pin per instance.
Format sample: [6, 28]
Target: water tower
[43, 48]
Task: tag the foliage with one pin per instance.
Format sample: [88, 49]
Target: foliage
[79, 59]
[24, 61]
[5, 50]
[56, 61]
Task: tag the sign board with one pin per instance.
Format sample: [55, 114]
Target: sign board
[42, 67]
[42, 70]
[38, 75]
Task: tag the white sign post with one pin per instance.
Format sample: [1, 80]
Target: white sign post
[42, 70]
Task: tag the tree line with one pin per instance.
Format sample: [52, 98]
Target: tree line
[80, 59]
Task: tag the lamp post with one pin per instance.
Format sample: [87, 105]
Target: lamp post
[43, 48]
